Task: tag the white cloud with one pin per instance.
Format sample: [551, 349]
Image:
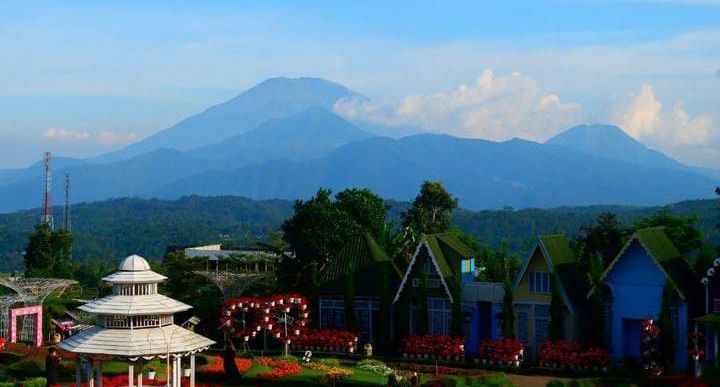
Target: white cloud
[645, 119]
[493, 107]
[105, 137]
[690, 137]
[66, 134]
[113, 138]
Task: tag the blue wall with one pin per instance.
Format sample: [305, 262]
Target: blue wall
[637, 285]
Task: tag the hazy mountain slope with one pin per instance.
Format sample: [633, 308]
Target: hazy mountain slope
[311, 133]
[392, 131]
[611, 142]
[273, 98]
[482, 174]
[37, 170]
[102, 181]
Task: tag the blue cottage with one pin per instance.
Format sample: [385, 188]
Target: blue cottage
[633, 292]
[440, 278]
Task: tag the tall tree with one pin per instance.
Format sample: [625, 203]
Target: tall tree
[318, 229]
[384, 325]
[508, 314]
[605, 237]
[556, 311]
[682, 230]
[596, 323]
[49, 253]
[456, 286]
[365, 208]
[422, 322]
[666, 339]
[431, 210]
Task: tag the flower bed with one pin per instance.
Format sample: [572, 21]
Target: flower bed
[502, 352]
[331, 340]
[570, 354]
[280, 368]
[432, 369]
[374, 366]
[433, 346]
[215, 365]
[331, 373]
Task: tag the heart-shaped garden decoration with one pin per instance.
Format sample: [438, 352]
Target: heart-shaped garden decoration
[283, 316]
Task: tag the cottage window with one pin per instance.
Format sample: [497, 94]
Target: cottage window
[716, 305]
[467, 265]
[332, 313]
[523, 312]
[439, 316]
[542, 323]
[539, 282]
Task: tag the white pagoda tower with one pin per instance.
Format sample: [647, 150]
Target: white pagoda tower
[136, 323]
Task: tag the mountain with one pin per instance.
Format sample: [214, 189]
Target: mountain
[482, 174]
[37, 170]
[133, 177]
[273, 98]
[612, 142]
[281, 139]
[392, 131]
[309, 134]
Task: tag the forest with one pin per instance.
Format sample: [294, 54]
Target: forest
[108, 230]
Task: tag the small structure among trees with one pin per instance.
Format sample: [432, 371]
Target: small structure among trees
[136, 323]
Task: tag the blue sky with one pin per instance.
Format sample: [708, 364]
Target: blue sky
[82, 78]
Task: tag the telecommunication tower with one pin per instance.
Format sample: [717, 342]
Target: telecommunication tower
[67, 221]
[47, 216]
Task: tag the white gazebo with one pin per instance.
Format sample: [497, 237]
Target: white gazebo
[136, 323]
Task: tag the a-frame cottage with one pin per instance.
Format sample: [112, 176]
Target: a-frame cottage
[438, 293]
[631, 298]
[551, 259]
[364, 270]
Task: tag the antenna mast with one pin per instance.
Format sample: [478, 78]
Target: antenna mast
[67, 221]
[47, 207]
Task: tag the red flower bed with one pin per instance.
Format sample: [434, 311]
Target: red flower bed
[432, 369]
[327, 339]
[435, 346]
[569, 354]
[678, 381]
[502, 351]
[122, 380]
[280, 368]
[215, 365]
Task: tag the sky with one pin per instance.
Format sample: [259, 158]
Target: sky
[81, 78]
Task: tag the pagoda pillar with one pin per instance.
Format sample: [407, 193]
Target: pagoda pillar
[90, 373]
[78, 375]
[192, 370]
[131, 374]
[140, 373]
[99, 373]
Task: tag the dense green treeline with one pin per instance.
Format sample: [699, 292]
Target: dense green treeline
[112, 229]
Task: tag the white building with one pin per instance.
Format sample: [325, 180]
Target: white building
[136, 324]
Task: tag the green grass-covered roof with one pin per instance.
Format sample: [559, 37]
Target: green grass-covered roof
[362, 255]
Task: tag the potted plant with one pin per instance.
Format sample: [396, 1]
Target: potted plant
[151, 369]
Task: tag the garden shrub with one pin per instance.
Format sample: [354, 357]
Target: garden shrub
[555, 383]
[374, 366]
[30, 366]
[329, 361]
[35, 382]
